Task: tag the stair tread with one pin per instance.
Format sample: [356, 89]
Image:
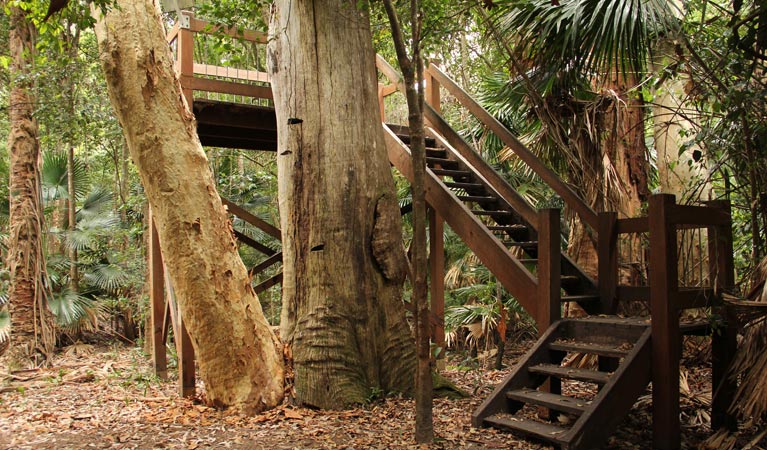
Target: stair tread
[482, 212]
[591, 348]
[581, 298]
[441, 161]
[546, 431]
[591, 376]
[506, 227]
[477, 198]
[520, 244]
[529, 260]
[556, 402]
[460, 185]
[451, 172]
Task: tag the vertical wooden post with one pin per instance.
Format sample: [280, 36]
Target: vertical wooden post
[437, 281]
[432, 92]
[549, 307]
[157, 301]
[723, 340]
[184, 349]
[185, 63]
[607, 248]
[381, 102]
[666, 338]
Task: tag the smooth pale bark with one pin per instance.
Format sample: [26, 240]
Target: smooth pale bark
[343, 261]
[238, 354]
[32, 330]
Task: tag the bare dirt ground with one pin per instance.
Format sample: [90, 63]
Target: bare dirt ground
[106, 397]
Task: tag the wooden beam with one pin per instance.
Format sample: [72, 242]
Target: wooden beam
[698, 216]
[607, 260]
[549, 269]
[185, 64]
[437, 278]
[633, 225]
[201, 26]
[247, 216]
[666, 336]
[227, 87]
[265, 264]
[266, 284]
[157, 301]
[247, 240]
[231, 72]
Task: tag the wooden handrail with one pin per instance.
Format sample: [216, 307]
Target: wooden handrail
[172, 33]
[201, 26]
[245, 215]
[587, 214]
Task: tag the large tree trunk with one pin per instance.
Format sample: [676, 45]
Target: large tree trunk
[32, 323]
[238, 355]
[342, 249]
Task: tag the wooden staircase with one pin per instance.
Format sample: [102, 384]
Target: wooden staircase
[621, 344]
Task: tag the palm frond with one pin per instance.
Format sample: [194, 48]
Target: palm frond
[73, 311]
[108, 277]
[54, 176]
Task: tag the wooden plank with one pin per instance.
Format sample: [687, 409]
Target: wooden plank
[266, 284]
[571, 373]
[185, 354]
[157, 300]
[437, 278]
[700, 216]
[250, 218]
[201, 26]
[230, 72]
[511, 273]
[547, 175]
[666, 337]
[388, 90]
[607, 261]
[390, 72]
[633, 225]
[228, 87]
[540, 430]
[590, 348]
[697, 298]
[247, 240]
[552, 401]
[172, 33]
[265, 264]
[633, 293]
[185, 64]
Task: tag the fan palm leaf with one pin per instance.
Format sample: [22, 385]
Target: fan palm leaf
[73, 311]
[53, 176]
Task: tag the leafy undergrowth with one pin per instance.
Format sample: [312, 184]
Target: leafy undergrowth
[106, 397]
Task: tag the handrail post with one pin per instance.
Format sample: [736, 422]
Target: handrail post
[666, 337]
[607, 252]
[185, 62]
[432, 90]
[549, 308]
[724, 340]
[437, 281]
[157, 300]
[381, 110]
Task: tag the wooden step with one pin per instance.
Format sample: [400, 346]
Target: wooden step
[506, 228]
[569, 280]
[529, 427]
[594, 349]
[465, 186]
[528, 260]
[581, 298]
[528, 244]
[570, 373]
[556, 402]
[477, 199]
[432, 152]
[482, 212]
[442, 162]
[451, 173]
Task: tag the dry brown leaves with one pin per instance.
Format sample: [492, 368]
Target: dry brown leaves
[108, 399]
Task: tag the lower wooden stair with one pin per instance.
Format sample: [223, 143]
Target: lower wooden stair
[622, 345]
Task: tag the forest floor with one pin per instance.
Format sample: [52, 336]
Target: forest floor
[105, 396]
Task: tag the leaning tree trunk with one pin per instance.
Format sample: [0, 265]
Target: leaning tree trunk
[32, 323]
[237, 352]
[343, 261]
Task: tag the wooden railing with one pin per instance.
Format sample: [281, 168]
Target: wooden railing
[200, 74]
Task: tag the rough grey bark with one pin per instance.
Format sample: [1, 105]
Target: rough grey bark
[343, 259]
[238, 355]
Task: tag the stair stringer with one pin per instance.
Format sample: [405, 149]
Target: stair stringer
[615, 399]
[512, 274]
[518, 378]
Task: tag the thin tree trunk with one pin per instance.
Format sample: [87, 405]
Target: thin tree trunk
[239, 356]
[74, 276]
[32, 323]
[412, 70]
[341, 231]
